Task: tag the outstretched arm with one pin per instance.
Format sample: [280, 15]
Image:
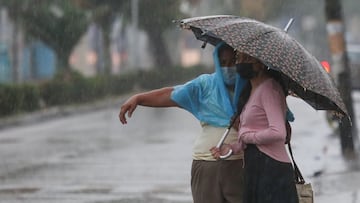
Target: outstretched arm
[155, 98]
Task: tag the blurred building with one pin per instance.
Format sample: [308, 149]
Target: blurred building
[20, 62]
[119, 47]
[5, 70]
[88, 55]
[39, 62]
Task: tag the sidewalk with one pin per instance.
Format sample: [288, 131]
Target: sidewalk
[317, 152]
[59, 111]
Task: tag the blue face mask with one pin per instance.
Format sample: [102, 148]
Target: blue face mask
[229, 75]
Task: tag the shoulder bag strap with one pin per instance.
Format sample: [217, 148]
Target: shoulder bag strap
[298, 176]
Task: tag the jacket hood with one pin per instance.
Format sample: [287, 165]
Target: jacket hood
[239, 84]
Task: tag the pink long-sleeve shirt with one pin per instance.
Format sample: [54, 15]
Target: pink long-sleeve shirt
[262, 121]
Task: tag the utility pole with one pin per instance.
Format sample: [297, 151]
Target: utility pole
[135, 24]
[341, 72]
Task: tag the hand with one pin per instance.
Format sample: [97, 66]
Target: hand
[216, 152]
[128, 107]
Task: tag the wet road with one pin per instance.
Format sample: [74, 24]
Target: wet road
[92, 158]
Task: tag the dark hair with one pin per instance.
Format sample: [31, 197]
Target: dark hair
[278, 77]
[245, 94]
[225, 47]
[244, 97]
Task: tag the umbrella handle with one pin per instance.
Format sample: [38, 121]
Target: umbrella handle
[226, 155]
[221, 142]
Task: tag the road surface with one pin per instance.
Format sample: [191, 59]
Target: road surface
[91, 158]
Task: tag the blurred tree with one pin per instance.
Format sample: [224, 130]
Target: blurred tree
[155, 17]
[103, 14]
[57, 23]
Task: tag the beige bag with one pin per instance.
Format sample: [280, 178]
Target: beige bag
[304, 190]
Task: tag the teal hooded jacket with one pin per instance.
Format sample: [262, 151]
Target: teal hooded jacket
[207, 98]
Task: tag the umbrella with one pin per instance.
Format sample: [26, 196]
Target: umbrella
[301, 71]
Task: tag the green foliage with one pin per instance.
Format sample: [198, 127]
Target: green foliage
[30, 97]
[118, 85]
[70, 87]
[18, 98]
[66, 87]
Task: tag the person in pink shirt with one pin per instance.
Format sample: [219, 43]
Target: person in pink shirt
[269, 175]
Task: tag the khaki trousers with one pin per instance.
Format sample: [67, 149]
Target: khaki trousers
[217, 181]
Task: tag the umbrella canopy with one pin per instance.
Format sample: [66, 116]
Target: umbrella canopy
[301, 71]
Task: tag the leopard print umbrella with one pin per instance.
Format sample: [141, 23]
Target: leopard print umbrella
[304, 75]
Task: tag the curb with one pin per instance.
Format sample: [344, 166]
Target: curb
[28, 118]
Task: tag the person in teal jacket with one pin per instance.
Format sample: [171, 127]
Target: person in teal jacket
[212, 99]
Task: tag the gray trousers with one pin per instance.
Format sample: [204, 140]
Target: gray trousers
[217, 181]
